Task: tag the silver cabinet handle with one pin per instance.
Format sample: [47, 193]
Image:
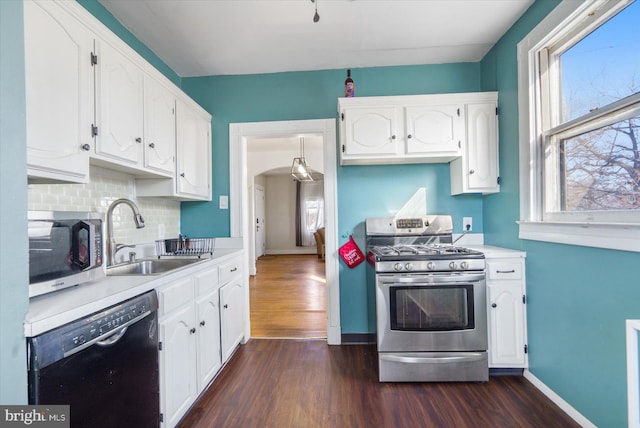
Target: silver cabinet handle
[85, 147]
[153, 146]
[138, 140]
[472, 171]
[506, 271]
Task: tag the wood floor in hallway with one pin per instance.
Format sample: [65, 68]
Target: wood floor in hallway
[288, 297]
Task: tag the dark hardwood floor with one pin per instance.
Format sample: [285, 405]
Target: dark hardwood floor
[306, 383]
[288, 297]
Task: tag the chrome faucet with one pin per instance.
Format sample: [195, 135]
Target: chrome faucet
[112, 247]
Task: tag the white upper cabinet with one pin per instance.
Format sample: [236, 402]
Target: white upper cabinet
[402, 129]
[135, 117]
[119, 108]
[459, 128]
[159, 128]
[477, 170]
[93, 99]
[194, 152]
[434, 129]
[59, 94]
[369, 133]
[192, 179]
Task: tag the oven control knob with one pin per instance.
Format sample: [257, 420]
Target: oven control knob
[431, 266]
[452, 265]
[464, 265]
[408, 266]
[397, 266]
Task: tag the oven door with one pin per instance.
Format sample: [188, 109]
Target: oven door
[431, 312]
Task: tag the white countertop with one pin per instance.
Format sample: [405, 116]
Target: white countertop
[61, 307]
[496, 252]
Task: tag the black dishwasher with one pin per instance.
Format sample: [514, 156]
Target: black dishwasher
[104, 366]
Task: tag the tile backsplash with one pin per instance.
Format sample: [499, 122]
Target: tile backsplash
[162, 217]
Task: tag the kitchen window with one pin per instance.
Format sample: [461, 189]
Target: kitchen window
[579, 89]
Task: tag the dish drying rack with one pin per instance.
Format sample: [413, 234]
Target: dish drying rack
[184, 246]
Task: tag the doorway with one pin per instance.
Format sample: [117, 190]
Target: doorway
[242, 218]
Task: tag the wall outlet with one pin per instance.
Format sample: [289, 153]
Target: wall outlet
[467, 224]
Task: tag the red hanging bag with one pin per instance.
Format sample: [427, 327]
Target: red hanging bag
[351, 253]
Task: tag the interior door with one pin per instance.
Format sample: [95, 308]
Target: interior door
[259, 221]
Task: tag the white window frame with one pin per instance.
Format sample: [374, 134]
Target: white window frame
[616, 232]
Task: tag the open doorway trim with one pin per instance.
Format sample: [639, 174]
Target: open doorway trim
[239, 194]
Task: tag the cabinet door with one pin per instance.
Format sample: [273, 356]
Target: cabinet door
[482, 147]
[231, 316]
[194, 154]
[370, 132]
[59, 94]
[178, 370]
[119, 108]
[208, 325]
[506, 324]
[159, 128]
[434, 129]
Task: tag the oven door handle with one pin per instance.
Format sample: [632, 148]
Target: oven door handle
[429, 280]
[466, 356]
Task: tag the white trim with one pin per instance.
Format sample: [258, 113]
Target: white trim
[633, 366]
[601, 235]
[625, 237]
[238, 134]
[559, 401]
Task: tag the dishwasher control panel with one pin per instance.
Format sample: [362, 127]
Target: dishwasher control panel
[104, 323]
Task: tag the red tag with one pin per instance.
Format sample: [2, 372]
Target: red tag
[351, 254]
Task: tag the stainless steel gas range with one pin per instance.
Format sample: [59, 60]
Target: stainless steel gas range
[430, 301]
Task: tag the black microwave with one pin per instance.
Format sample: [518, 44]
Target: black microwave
[65, 249]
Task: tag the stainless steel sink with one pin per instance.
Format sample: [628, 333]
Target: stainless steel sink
[150, 266]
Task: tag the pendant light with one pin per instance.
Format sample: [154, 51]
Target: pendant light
[299, 169]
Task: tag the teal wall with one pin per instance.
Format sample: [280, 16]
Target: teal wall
[14, 271]
[578, 297]
[363, 191]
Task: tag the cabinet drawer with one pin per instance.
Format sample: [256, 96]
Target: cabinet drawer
[207, 281]
[175, 295]
[230, 269]
[505, 269]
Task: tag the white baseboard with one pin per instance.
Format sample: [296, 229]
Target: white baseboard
[559, 401]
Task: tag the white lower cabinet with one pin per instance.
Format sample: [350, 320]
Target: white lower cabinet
[189, 342]
[209, 358]
[506, 306]
[232, 312]
[178, 389]
[201, 322]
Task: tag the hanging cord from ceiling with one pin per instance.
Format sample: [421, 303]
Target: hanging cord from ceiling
[316, 17]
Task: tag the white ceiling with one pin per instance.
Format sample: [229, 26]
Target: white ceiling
[223, 37]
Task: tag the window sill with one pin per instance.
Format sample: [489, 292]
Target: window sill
[625, 237]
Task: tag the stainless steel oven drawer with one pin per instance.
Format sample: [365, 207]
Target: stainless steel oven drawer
[433, 367]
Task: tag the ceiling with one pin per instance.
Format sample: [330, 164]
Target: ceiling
[227, 37]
